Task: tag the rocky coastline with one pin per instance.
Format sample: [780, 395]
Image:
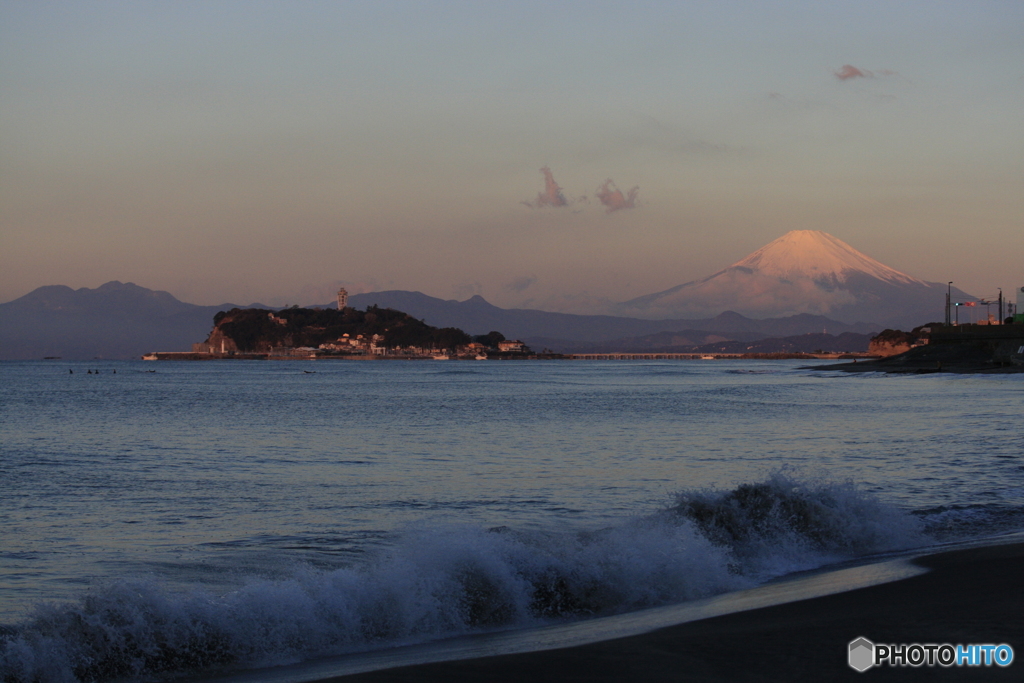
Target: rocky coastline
[965, 349]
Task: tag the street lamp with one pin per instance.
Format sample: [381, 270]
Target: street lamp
[949, 292]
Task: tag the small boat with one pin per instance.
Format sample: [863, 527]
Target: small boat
[707, 357]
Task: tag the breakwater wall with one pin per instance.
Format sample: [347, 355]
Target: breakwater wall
[1005, 343]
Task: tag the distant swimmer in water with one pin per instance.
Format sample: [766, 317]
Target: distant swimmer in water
[88, 372]
[70, 371]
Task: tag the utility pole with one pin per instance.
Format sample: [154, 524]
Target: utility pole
[1000, 305]
[949, 291]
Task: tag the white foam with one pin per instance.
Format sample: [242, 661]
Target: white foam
[443, 581]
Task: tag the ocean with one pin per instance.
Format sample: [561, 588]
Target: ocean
[166, 520]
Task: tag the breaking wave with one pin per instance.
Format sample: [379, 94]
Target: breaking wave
[440, 582]
[959, 522]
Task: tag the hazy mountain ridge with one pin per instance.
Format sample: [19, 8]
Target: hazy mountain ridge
[847, 342]
[124, 321]
[477, 316]
[800, 283]
[116, 320]
[112, 297]
[696, 341]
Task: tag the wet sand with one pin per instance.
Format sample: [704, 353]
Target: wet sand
[971, 596]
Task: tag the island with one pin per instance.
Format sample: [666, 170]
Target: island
[342, 334]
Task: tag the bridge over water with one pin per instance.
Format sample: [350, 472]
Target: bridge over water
[711, 356]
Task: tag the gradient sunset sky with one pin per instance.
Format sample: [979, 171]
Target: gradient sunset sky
[252, 151]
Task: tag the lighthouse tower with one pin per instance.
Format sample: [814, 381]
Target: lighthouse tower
[342, 299]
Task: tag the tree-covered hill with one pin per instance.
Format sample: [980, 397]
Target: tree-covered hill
[254, 330]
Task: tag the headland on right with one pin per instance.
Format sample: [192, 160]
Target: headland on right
[991, 349]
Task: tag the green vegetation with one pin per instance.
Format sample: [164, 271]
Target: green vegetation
[490, 339]
[896, 337]
[255, 329]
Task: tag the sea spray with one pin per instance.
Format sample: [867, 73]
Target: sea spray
[440, 581]
[785, 524]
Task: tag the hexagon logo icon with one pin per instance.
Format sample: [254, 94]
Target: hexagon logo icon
[862, 654]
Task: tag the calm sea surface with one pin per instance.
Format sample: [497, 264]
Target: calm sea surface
[324, 507]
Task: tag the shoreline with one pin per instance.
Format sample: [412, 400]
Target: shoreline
[969, 596]
[919, 368]
[794, 628]
[962, 350]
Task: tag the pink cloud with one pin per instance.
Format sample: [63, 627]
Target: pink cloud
[849, 71]
[552, 194]
[613, 199]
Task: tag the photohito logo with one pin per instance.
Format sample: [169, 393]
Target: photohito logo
[863, 654]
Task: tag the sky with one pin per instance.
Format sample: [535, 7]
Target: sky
[553, 155]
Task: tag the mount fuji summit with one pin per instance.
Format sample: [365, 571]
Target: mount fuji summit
[804, 271]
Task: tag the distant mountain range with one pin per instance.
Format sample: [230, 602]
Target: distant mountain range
[565, 332]
[804, 271]
[805, 282]
[124, 321]
[115, 320]
[695, 341]
[847, 342]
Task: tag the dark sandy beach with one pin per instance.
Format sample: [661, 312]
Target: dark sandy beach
[971, 596]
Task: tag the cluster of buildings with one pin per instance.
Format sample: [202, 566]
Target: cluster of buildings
[373, 346]
[359, 344]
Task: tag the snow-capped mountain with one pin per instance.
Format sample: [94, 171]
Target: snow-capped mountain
[820, 256]
[804, 271]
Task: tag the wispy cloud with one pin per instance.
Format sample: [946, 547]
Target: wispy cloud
[610, 196]
[552, 194]
[849, 71]
[521, 283]
[613, 199]
[466, 290]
